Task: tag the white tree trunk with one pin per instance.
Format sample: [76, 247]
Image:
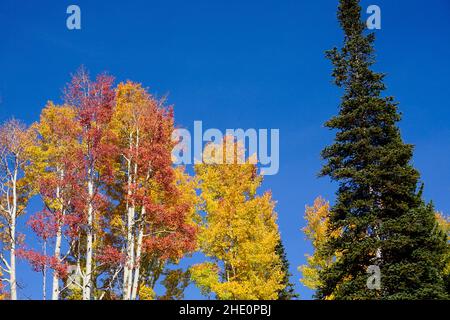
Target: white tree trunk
[57, 255]
[44, 275]
[137, 262]
[12, 274]
[126, 268]
[129, 254]
[87, 279]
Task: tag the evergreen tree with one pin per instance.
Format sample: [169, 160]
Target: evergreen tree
[379, 212]
[288, 290]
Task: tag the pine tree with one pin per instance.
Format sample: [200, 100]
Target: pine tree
[380, 214]
[288, 290]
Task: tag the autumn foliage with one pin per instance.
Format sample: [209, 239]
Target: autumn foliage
[117, 215]
[238, 230]
[116, 212]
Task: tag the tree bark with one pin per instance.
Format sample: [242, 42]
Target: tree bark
[137, 262]
[12, 274]
[87, 279]
[58, 240]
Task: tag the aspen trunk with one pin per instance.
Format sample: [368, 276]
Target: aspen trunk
[57, 255]
[12, 274]
[44, 275]
[131, 230]
[129, 254]
[126, 269]
[138, 257]
[87, 282]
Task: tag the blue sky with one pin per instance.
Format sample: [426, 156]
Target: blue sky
[239, 64]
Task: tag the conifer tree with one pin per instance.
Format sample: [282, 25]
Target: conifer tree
[381, 214]
[288, 290]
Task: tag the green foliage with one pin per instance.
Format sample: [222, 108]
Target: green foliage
[383, 219]
[288, 290]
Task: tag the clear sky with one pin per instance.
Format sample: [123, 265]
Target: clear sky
[238, 64]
